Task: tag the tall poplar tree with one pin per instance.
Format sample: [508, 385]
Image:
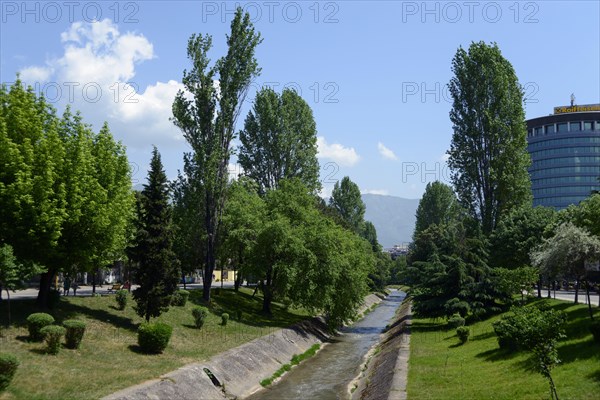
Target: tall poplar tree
[279, 141]
[488, 153]
[346, 200]
[157, 270]
[208, 119]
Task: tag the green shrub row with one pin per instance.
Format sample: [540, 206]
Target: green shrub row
[154, 337]
[40, 326]
[180, 298]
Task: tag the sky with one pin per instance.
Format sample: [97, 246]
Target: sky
[375, 73]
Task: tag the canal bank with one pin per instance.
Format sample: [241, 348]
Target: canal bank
[385, 372]
[237, 372]
[332, 371]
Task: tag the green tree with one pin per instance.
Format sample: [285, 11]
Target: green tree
[208, 119]
[279, 141]
[157, 271]
[307, 257]
[566, 253]
[242, 222]
[488, 154]
[347, 201]
[32, 193]
[437, 206]
[188, 210]
[586, 214]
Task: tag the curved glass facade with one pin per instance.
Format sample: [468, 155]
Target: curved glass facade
[565, 158]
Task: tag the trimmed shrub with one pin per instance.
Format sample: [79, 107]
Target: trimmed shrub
[35, 323]
[455, 321]
[595, 329]
[53, 335]
[122, 297]
[180, 297]
[463, 333]
[154, 338]
[239, 314]
[8, 368]
[75, 331]
[199, 314]
[224, 319]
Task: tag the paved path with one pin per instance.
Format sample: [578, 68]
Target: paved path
[102, 290]
[570, 296]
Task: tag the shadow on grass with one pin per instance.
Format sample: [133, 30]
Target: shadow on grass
[40, 351]
[594, 375]
[229, 301]
[482, 336]
[497, 354]
[138, 350]
[580, 350]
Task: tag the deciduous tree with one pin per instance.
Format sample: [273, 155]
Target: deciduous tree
[207, 116]
[488, 154]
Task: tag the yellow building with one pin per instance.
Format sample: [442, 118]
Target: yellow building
[228, 276]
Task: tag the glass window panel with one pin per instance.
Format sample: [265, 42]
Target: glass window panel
[562, 127]
[549, 129]
[587, 125]
[575, 126]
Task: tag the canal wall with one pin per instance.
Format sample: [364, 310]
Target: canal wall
[237, 372]
[386, 370]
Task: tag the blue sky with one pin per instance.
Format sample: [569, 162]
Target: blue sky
[373, 72]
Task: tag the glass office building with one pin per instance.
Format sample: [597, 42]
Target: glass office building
[565, 155]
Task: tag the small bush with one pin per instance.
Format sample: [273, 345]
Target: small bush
[239, 315]
[463, 333]
[75, 331]
[455, 321]
[199, 314]
[180, 297]
[595, 329]
[8, 368]
[154, 338]
[53, 335]
[224, 319]
[122, 297]
[35, 323]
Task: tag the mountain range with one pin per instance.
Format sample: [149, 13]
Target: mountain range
[393, 217]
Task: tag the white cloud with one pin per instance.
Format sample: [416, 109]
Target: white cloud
[97, 75]
[36, 74]
[382, 192]
[344, 156]
[385, 152]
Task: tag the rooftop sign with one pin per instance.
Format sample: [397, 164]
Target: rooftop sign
[575, 108]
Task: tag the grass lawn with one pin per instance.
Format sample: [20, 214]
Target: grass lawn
[441, 369]
[109, 360]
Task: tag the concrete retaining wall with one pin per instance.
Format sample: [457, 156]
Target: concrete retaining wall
[238, 371]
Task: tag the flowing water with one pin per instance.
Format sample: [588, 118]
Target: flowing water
[328, 373]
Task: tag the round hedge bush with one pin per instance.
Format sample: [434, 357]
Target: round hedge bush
[463, 333]
[53, 335]
[199, 314]
[224, 319]
[154, 338]
[180, 298]
[35, 323]
[8, 368]
[75, 331]
[122, 297]
[455, 321]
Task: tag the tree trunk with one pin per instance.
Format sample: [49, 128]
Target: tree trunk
[94, 282]
[45, 284]
[268, 292]
[8, 304]
[587, 292]
[577, 292]
[184, 286]
[539, 287]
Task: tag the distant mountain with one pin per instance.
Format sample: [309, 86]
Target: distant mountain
[393, 217]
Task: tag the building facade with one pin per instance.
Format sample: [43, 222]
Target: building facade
[565, 155]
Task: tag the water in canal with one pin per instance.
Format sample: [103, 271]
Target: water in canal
[327, 375]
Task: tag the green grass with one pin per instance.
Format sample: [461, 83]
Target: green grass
[440, 368]
[296, 359]
[109, 359]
